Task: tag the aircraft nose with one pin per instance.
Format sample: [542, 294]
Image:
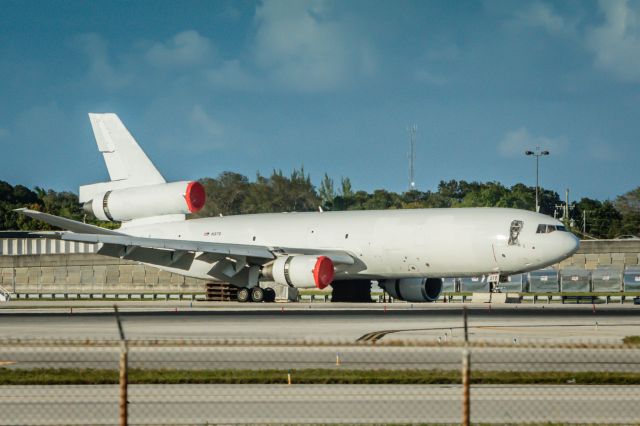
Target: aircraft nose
[570, 244]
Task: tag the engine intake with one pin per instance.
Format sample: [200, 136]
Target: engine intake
[147, 201]
[414, 289]
[302, 271]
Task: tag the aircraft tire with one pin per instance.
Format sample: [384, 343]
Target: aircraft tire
[244, 295]
[257, 294]
[269, 295]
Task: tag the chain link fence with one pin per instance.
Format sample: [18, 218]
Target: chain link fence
[95, 382]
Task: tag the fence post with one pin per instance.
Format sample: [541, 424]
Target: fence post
[466, 373]
[124, 352]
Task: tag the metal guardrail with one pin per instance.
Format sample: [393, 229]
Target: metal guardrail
[107, 296]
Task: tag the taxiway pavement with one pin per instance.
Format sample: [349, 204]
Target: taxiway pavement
[346, 404]
[320, 321]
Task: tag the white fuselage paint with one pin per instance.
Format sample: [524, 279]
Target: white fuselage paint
[389, 243]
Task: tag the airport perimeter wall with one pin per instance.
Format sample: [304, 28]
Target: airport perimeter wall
[89, 273]
[598, 253]
[35, 265]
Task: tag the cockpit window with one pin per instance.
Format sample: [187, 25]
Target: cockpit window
[514, 231]
[545, 229]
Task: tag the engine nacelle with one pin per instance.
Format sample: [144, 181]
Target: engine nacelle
[147, 201]
[302, 271]
[414, 289]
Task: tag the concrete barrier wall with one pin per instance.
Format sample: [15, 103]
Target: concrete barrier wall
[27, 246]
[88, 273]
[597, 253]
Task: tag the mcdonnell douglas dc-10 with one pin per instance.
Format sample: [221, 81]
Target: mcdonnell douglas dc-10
[406, 251]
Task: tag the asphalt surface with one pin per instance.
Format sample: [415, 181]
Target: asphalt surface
[260, 404]
[515, 358]
[320, 321]
[525, 331]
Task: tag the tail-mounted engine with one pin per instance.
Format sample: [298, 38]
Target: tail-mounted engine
[414, 289]
[302, 271]
[147, 201]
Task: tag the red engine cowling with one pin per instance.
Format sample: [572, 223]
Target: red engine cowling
[302, 271]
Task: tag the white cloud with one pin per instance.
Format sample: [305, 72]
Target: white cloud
[302, 46]
[205, 126]
[516, 142]
[101, 71]
[185, 49]
[298, 45]
[541, 15]
[231, 75]
[616, 43]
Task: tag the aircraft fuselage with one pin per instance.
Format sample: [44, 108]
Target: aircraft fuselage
[390, 243]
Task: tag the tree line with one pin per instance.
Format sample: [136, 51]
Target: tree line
[232, 193]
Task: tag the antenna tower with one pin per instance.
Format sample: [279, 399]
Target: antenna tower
[413, 129]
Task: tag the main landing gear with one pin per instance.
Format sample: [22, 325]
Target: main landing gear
[256, 294]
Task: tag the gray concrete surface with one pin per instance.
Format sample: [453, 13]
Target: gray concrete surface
[346, 322]
[260, 404]
[297, 357]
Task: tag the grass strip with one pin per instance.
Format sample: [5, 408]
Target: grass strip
[9, 376]
[631, 340]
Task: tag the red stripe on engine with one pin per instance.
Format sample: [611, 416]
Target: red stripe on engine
[323, 272]
[195, 196]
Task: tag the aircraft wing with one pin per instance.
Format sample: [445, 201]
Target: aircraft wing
[173, 253]
[126, 246]
[222, 249]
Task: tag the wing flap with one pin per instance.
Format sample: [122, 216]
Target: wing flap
[161, 257]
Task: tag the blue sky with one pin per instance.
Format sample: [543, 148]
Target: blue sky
[249, 87]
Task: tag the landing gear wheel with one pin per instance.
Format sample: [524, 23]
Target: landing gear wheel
[269, 295]
[257, 294]
[243, 295]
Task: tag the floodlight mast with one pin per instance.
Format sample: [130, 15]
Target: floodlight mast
[537, 153]
[413, 129]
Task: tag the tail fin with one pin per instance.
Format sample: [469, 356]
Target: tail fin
[127, 164]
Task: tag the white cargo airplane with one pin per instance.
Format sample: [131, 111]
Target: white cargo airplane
[407, 251]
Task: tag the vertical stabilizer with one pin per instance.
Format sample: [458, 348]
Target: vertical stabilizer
[127, 164]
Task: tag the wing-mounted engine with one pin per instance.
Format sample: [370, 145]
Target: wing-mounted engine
[302, 271]
[414, 289]
[147, 201]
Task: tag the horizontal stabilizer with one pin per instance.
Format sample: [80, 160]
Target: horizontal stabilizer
[67, 224]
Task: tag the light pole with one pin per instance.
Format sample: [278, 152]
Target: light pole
[537, 153]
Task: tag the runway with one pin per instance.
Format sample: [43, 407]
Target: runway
[261, 404]
[321, 321]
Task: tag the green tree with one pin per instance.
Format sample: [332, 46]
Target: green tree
[628, 205]
[327, 192]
